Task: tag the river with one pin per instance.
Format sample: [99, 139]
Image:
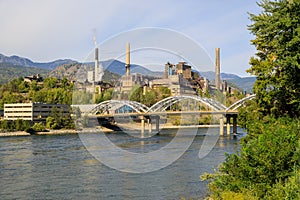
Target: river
[60, 167]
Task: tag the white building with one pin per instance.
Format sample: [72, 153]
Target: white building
[33, 111]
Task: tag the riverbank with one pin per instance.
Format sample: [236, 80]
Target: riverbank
[103, 129]
[52, 132]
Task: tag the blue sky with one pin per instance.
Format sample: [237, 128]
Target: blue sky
[49, 30]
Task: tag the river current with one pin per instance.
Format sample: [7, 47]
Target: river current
[60, 167]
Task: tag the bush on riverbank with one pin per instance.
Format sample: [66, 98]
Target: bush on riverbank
[267, 166]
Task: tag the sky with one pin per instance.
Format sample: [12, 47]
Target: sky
[47, 30]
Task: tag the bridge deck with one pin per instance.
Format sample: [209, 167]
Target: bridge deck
[196, 112]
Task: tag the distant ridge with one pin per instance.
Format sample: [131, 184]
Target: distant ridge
[118, 67]
[210, 75]
[20, 61]
[11, 63]
[10, 71]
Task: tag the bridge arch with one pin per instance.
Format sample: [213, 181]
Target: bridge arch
[108, 105]
[240, 102]
[163, 104]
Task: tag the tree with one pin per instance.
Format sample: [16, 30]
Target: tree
[136, 94]
[268, 157]
[5, 125]
[277, 61]
[19, 125]
[51, 123]
[267, 165]
[23, 87]
[150, 98]
[50, 82]
[34, 86]
[163, 92]
[38, 127]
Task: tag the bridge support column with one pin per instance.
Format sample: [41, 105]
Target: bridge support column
[221, 126]
[142, 127]
[228, 124]
[157, 123]
[234, 123]
[150, 126]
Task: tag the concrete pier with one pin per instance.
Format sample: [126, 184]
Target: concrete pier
[234, 123]
[157, 123]
[228, 125]
[149, 126]
[221, 126]
[142, 127]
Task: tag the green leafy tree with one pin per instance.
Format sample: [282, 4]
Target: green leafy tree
[277, 61]
[23, 87]
[136, 94]
[19, 125]
[34, 86]
[267, 165]
[51, 123]
[50, 82]
[267, 157]
[5, 125]
[107, 95]
[38, 127]
[150, 98]
[163, 92]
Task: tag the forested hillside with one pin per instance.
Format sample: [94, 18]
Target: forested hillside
[50, 91]
[10, 71]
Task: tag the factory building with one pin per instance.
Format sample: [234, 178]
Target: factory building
[178, 78]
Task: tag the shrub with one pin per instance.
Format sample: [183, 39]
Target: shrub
[267, 158]
[39, 127]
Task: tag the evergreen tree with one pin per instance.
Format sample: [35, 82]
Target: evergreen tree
[277, 61]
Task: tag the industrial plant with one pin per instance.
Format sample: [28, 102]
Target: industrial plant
[179, 78]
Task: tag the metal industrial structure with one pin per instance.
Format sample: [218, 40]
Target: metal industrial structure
[217, 69]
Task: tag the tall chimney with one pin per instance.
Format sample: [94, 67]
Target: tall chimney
[217, 70]
[96, 64]
[127, 64]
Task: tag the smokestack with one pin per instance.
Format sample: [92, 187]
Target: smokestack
[96, 64]
[217, 70]
[127, 64]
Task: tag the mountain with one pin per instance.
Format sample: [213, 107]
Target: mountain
[11, 67]
[20, 61]
[118, 67]
[70, 71]
[245, 83]
[10, 71]
[210, 75]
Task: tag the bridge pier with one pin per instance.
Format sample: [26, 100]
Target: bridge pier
[221, 126]
[228, 124]
[157, 123]
[142, 126]
[149, 125]
[234, 123]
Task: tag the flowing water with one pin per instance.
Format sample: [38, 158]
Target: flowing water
[60, 167]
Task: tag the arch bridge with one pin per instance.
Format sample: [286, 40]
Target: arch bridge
[160, 106]
[116, 107]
